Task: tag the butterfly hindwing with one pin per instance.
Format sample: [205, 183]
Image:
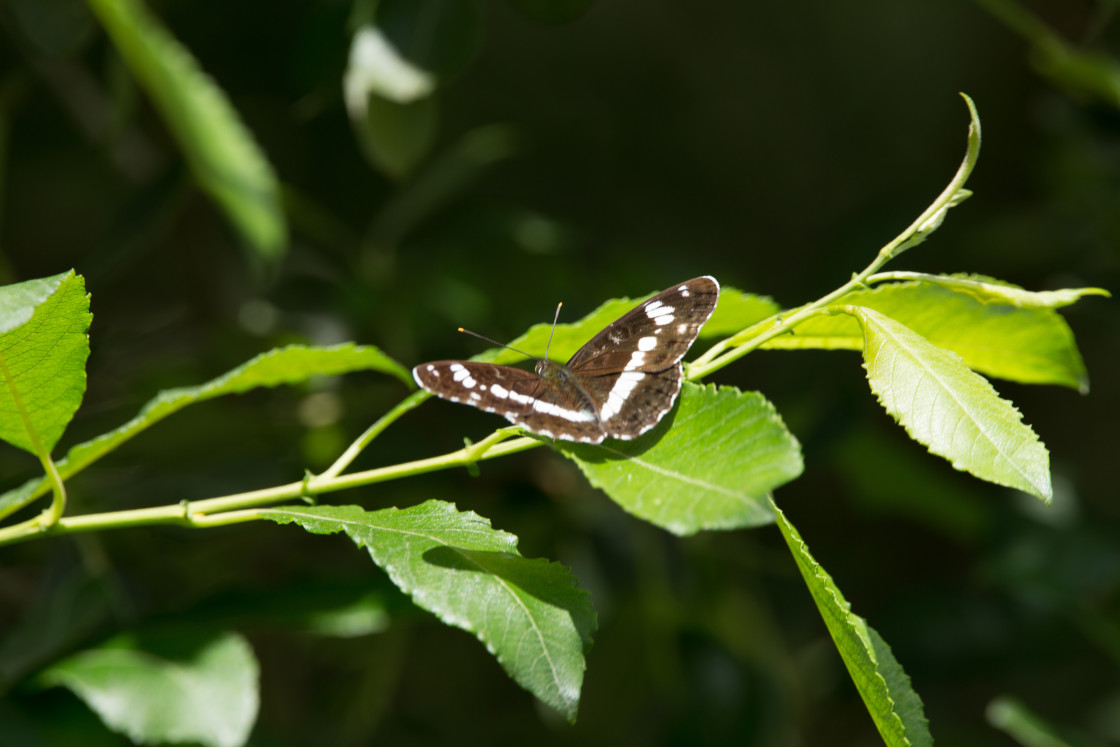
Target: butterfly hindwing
[619, 385]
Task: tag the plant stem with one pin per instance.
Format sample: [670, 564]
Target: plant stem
[753, 337]
[53, 513]
[373, 432]
[240, 507]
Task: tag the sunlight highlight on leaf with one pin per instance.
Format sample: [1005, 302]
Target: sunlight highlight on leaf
[42, 359]
[951, 410]
[665, 478]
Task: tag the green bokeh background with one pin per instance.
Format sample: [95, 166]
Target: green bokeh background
[775, 146]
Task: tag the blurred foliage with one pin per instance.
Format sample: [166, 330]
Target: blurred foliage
[577, 151]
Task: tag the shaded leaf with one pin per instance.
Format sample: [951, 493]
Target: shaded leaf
[225, 160]
[710, 464]
[951, 410]
[882, 684]
[43, 352]
[186, 686]
[288, 365]
[396, 137]
[528, 613]
[1028, 345]
[1012, 717]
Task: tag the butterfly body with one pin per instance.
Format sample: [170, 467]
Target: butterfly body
[618, 385]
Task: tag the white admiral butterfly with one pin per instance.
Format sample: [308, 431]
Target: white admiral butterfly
[618, 385]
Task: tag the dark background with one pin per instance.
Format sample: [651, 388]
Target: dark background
[775, 146]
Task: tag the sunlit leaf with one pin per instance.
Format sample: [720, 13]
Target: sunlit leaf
[710, 464]
[991, 290]
[43, 352]
[1030, 345]
[376, 67]
[954, 412]
[528, 613]
[882, 684]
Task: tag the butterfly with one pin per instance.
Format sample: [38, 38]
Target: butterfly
[618, 385]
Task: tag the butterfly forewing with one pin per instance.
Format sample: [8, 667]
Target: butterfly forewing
[653, 335]
[619, 385]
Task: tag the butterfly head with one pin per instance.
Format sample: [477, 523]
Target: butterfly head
[551, 371]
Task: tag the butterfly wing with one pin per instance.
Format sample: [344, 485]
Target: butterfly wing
[631, 371]
[522, 397]
[619, 385]
[653, 335]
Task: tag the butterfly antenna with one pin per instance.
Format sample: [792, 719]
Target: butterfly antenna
[495, 342]
[550, 334]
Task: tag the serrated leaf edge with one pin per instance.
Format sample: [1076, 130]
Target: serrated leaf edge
[854, 622]
[1044, 490]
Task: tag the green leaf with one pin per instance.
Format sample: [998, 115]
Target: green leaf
[1013, 718]
[710, 464]
[992, 290]
[528, 613]
[288, 365]
[170, 687]
[43, 352]
[954, 412]
[395, 137]
[225, 160]
[882, 684]
[1024, 344]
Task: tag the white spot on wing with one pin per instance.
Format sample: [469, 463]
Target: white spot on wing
[574, 416]
[659, 313]
[499, 391]
[682, 328]
[619, 393]
[637, 358]
[647, 343]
